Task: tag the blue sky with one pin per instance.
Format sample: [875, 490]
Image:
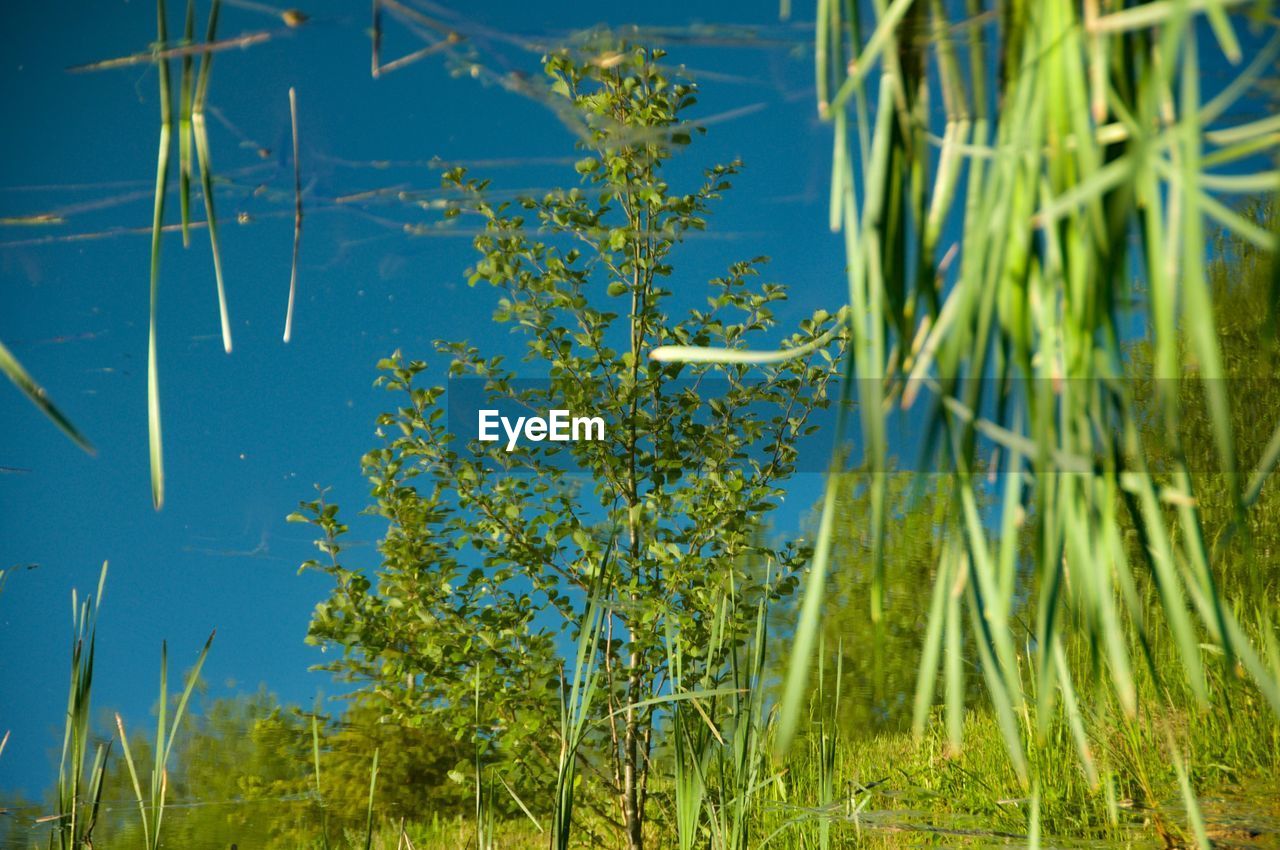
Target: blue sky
[247, 435]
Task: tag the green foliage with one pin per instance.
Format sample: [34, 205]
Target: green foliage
[878, 661]
[489, 554]
[1241, 278]
[1130, 764]
[413, 769]
[242, 772]
[79, 793]
[1087, 161]
[717, 740]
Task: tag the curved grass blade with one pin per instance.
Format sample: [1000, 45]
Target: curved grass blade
[192, 678]
[133, 777]
[33, 391]
[154, 439]
[698, 354]
[527, 813]
[297, 215]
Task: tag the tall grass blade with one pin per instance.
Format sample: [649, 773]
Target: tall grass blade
[75, 789]
[796, 684]
[881, 37]
[576, 704]
[206, 170]
[154, 439]
[297, 215]
[931, 653]
[1033, 830]
[192, 679]
[137, 786]
[1194, 818]
[151, 805]
[315, 760]
[373, 786]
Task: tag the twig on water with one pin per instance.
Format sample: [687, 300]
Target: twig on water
[377, 39]
[243, 41]
[415, 56]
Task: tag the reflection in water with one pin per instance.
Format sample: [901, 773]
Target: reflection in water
[1240, 818]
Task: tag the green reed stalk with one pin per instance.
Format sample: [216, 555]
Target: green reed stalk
[373, 787]
[315, 761]
[151, 806]
[206, 168]
[79, 795]
[575, 712]
[185, 96]
[154, 439]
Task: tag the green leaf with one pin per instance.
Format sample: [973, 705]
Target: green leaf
[37, 396]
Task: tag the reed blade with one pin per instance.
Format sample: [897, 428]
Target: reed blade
[37, 396]
[206, 172]
[154, 438]
[185, 95]
[373, 787]
[297, 215]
